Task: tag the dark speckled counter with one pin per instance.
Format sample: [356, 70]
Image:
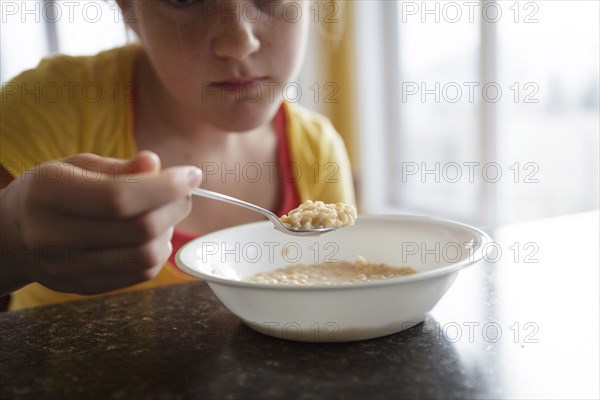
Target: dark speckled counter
[501, 331]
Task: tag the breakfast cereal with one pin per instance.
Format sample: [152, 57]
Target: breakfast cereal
[315, 215]
[343, 272]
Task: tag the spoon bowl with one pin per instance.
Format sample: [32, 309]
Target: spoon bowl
[277, 224]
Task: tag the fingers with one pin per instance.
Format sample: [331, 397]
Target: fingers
[144, 161]
[113, 196]
[97, 270]
[153, 190]
[105, 223]
[131, 258]
[147, 161]
[111, 232]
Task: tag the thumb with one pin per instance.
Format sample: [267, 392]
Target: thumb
[144, 161]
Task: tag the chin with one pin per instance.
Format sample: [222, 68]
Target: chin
[243, 117]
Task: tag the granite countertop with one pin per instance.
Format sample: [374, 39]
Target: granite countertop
[522, 324]
[180, 342]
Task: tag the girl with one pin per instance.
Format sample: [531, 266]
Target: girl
[99, 153]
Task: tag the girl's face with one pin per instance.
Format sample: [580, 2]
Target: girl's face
[225, 62]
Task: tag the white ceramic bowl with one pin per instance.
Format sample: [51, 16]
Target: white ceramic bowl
[436, 248]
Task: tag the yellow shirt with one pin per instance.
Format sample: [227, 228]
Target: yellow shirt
[70, 105]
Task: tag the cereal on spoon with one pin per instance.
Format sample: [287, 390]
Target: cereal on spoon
[317, 214]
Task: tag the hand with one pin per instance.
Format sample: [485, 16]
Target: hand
[88, 224]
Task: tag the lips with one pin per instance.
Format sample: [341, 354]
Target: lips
[235, 84]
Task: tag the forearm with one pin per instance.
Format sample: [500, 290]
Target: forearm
[10, 280]
[12, 264]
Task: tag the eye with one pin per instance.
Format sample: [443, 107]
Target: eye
[183, 3]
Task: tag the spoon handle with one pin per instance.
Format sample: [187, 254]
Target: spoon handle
[232, 200]
[280, 226]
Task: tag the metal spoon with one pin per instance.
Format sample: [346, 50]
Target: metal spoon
[278, 225]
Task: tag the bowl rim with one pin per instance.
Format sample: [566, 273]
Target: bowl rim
[476, 256]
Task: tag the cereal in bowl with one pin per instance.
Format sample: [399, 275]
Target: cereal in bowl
[343, 273]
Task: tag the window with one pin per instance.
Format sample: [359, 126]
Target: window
[548, 128]
[490, 112]
[438, 107]
[34, 29]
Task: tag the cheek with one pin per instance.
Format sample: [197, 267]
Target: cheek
[180, 65]
[287, 49]
[175, 47]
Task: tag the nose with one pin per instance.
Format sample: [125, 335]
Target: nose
[235, 38]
